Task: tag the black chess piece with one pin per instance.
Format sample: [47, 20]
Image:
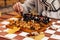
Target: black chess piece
[27, 17]
[46, 20]
[32, 28]
[36, 18]
[32, 17]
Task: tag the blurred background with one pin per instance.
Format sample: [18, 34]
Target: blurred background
[7, 3]
[6, 6]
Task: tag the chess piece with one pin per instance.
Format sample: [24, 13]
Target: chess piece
[46, 20]
[11, 31]
[35, 33]
[32, 28]
[27, 17]
[40, 36]
[36, 18]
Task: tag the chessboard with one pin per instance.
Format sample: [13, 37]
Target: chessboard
[51, 32]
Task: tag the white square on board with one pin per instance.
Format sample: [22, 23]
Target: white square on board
[10, 36]
[50, 31]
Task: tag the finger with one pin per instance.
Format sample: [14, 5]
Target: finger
[15, 7]
[20, 7]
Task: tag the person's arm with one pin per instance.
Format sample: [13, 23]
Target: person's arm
[28, 5]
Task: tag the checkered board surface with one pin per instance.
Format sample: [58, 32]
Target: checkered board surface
[50, 34]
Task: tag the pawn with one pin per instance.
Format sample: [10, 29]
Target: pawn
[32, 28]
[36, 18]
[46, 20]
[27, 17]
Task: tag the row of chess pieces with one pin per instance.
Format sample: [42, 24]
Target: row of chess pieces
[36, 18]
